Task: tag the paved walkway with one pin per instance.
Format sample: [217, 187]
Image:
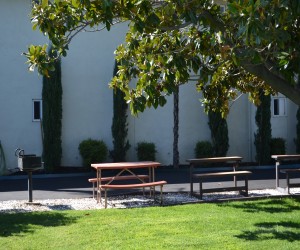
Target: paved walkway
[76, 185]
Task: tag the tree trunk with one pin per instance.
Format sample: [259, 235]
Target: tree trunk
[176, 128]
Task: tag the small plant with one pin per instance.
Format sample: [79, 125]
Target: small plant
[204, 149]
[277, 146]
[146, 151]
[93, 151]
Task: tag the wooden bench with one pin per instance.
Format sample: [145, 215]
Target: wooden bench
[279, 160]
[288, 173]
[105, 187]
[116, 178]
[202, 177]
[210, 163]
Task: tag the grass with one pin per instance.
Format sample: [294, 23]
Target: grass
[261, 224]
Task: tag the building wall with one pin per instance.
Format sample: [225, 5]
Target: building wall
[17, 86]
[87, 100]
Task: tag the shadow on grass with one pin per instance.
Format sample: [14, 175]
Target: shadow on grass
[22, 223]
[286, 230]
[272, 205]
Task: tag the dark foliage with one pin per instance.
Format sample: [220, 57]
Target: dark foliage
[146, 151]
[119, 125]
[52, 118]
[93, 151]
[263, 135]
[204, 149]
[219, 133]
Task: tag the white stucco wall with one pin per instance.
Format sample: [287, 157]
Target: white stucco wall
[17, 86]
[87, 99]
[285, 126]
[156, 125]
[239, 127]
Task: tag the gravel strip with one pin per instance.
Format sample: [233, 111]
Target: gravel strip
[125, 201]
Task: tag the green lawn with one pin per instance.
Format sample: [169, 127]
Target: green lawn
[261, 224]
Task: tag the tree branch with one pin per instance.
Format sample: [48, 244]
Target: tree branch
[275, 81]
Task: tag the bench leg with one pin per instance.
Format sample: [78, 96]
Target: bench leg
[200, 189]
[93, 190]
[105, 197]
[288, 182]
[246, 186]
[161, 194]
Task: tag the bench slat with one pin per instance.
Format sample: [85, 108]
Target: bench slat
[138, 185]
[290, 170]
[220, 174]
[122, 177]
[223, 189]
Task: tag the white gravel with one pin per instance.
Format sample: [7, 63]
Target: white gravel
[128, 201]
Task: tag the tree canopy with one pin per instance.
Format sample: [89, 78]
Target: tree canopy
[253, 44]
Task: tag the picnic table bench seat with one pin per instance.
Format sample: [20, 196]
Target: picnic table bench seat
[243, 188]
[279, 160]
[289, 172]
[143, 185]
[116, 178]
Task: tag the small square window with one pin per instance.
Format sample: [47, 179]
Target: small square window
[222, 8]
[36, 110]
[279, 106]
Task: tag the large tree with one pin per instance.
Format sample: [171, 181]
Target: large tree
[252, 45]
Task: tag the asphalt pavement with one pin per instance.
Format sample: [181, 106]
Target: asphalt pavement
[76, 185]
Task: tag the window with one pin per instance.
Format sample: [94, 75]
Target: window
[36, 110]
[222, 8]
[279, 106]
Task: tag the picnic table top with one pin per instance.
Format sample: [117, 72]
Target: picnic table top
[286, 157]
[122, 165]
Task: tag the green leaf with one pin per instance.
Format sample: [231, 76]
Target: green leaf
[44, 3]
[32, 49]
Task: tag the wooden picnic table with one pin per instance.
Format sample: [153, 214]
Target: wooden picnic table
[279, 160]
[204, 162]
[128, 168]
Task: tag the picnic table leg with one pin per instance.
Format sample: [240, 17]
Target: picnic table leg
[105, 197]
[153, 179]
[98, 185]
[191, 178]
[161, 194]
[235, 166]
[277, 173]
[288, 182]
[200, 189]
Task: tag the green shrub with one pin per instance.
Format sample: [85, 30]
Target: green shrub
[204, 149]
[93, 151]
[146, 151]
[277, 146]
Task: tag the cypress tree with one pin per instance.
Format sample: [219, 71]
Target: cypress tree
[219, 133]
[297, 140]
[119, 124]
[262, 138]
[52, 117]
[176, 128]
